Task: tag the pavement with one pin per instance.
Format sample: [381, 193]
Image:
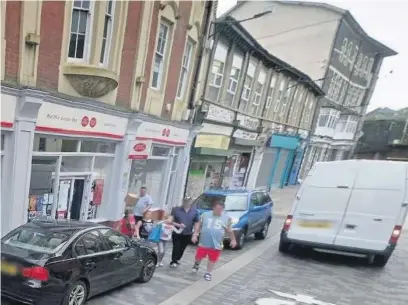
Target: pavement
[260, 275]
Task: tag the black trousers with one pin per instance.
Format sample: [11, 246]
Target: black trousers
[180, 243]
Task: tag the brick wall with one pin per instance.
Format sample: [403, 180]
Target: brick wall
[176, 58]
[49, 56]
[12, 36]
[130, 45]
[149, 59]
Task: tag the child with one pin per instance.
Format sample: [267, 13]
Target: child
[168, 227]
[144, 226]
[127, 223]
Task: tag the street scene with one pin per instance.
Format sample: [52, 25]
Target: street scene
[204, 152]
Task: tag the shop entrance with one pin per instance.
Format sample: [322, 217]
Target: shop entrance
[71, 197]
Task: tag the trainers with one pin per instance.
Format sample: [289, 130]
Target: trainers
[195, 267]
[159, 265]
[173, 265]
[207, 276]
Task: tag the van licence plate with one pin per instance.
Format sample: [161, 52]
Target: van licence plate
[8, 269]
[315, 224]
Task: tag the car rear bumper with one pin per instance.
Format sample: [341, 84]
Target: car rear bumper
[27, 295]
[387, 252]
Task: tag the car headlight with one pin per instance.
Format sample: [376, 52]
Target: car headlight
[234, 220]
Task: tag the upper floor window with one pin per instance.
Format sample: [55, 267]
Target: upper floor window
[328, 118]
[217, 72]
[286, 98]
[159, 57]
[235, 73]
[256, 101]
[297, 101]
[80, 33]
[183, 81]
[308, 110]
[342, 55]
[280, 94]
[271, 92]
[107, 33]
[246, 92]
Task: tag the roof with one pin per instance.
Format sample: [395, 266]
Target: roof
[387, 114]
[386, 51]
[61, 224]
[227, 24]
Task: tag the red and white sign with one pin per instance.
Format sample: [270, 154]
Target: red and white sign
[73, 121]
[162, 133]
[8, 110]
[98, 191]
[140, 149]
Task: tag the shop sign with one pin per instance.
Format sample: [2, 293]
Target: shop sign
[98, 191]
[220, 114]
[248, 122]
[8, 110]
[216, 129]
[212, 141]
[140, 149]
[245, 135]
[66, 120]
[162, 133]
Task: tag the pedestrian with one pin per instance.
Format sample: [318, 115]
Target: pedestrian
[212, 228]
[186, 216]
[127, 223]
[167, 230]
[144, 226]
[143, 203]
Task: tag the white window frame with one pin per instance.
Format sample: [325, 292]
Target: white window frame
[217, 75]
[246, 92]
[343, 51]
[257, 94]
[184, 71]
[88, 32]
[234, 80]
[160, 52]
[108, 44]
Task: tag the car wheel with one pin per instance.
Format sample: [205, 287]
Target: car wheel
[380, 260]
[241, 240]
[76, 295]
[264, 232]
[284, 247]
[148, 269]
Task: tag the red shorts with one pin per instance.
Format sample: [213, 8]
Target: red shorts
[213, 254]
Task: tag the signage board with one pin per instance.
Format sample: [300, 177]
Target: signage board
[8, 110]
[245, 135]
[212, 141]
[74, 121]
[248, 122]
[219, 114]
[140, 149]
[162, 133]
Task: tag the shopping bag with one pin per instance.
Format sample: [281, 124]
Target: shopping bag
[155, 234]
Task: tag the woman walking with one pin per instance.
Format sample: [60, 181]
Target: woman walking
[167, 229]
[127, 224]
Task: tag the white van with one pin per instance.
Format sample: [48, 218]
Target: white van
[352, 207]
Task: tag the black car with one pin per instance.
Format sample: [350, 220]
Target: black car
[66, 262]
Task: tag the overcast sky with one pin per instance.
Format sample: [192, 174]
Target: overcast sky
[386, 21]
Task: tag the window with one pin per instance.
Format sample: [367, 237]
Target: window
[323, 117]
[370, 66]
[363, 70]
[159, 56]
[286, 98]
[89, 243]
[257, 95]
[341, 124]
[342, 56]
[359, 62]
[114, 239]
[297, 102]
[107, 33]
[235, 74]
[349, 60]
[271, 92]
[80, 30]
[280, 95]
[183, 81]
[215, 79]
[246, 92]
[257, 199]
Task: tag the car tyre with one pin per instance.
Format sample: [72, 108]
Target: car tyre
[284, 246]
[241, 239]
[78, 291]
[149, 266]
[380, 260]
[264, 232]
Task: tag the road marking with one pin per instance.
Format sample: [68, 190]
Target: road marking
[195, 290]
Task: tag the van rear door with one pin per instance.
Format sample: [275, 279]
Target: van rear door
[321, 202]
[375, 206]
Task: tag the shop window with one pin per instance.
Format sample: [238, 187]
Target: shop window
[160, 151]
[97, 147]
[76, 164]
[54, 144]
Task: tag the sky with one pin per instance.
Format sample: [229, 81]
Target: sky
[387, 22]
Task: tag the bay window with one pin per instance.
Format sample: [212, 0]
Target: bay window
[107, 33]
[159, 57]
[235, 73]
[80, 32]
[183, 81]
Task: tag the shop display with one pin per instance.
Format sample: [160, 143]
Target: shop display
[39, 206]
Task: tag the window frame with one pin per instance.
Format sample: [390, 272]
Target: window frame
[161, 54]
[81, 237]
[108, 39]
[88, 32]
[184, 70]
[116, 233]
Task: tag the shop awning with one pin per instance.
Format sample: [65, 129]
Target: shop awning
[244, 142]
[211, 152]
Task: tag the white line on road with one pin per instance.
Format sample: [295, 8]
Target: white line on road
[192, 292]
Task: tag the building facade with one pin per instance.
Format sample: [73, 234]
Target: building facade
[328, 44]
[255, 114]
[94, 104]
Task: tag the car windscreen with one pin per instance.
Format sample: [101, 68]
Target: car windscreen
[233, 202]
[36, 240]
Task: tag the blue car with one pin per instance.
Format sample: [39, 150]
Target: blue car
[250, 211]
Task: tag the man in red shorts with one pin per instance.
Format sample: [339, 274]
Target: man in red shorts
[212, 228]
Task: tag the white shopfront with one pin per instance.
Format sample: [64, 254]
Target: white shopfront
[157, 160]
[73, 154]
